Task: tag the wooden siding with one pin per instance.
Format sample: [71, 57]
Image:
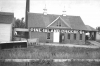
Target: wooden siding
[5, 32]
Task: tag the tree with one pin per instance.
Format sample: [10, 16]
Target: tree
[19, 23]
[98, 28]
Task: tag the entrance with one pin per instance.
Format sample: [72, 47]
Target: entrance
[56, 37]
[90, 35]
[62, 37]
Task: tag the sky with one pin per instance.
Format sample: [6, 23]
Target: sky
[88, 10]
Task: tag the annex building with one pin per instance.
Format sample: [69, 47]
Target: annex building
[6, 20]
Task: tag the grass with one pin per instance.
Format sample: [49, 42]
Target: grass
[50, 52]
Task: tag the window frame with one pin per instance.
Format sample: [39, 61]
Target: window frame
[81, 36]
[48, 35]
[75, 36]
[68, 36]
[59, 24]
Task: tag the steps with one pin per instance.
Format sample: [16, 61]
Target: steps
[95, 43]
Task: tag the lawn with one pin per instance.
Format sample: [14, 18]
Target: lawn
[50, 52]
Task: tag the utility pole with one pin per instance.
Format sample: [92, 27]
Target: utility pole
[26, 12]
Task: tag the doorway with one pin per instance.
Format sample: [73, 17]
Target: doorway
[90, 35]
[56, 37]
[62, 37]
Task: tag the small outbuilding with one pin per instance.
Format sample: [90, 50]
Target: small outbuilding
[6, 20]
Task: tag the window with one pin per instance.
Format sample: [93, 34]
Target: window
[75, 36]
[80, 36]
[48, 35]
[68, 36]
[59, 24]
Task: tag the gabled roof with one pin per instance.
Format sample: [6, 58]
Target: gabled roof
[6, 17]
[41, 20]
[75, 22]
[60, 19]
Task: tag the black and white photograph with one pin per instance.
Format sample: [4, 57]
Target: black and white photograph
[49, 32]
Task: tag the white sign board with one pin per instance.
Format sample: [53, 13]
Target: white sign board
[5, 32]
[55, 30]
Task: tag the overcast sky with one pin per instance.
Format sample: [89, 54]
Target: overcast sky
[89, 10]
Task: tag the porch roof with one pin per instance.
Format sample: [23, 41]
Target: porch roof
[89, 28]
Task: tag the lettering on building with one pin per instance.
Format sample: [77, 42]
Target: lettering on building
[55, 30]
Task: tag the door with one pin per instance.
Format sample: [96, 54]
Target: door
[56, 37]
[62, 37]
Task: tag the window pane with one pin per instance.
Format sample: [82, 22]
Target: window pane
[80, 36]
[75, 36]
[48, 35]
[68, 36]
[59, 24]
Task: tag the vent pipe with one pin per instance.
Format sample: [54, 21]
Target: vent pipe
[64, 12]
[45, 10]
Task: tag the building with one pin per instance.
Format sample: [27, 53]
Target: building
[6, 20]
[51, 28]
[6, 32]
[91, 33]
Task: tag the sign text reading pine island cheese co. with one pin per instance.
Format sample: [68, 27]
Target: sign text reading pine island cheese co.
[55, 30]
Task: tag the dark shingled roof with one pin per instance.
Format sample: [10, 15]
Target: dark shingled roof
[6, 17]
[41, 20]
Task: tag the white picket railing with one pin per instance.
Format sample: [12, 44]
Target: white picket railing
[54, 60]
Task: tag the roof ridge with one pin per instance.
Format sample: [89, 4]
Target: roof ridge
[55, 14]
[6, 13]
